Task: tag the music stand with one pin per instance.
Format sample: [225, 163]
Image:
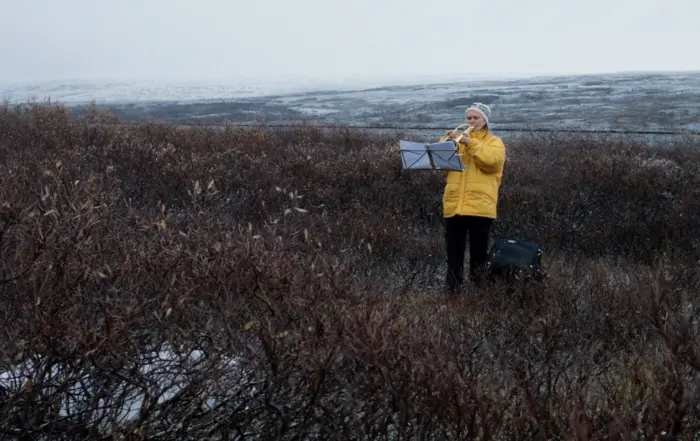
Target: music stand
[430, 156]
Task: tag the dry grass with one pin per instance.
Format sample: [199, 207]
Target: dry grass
[286, 285]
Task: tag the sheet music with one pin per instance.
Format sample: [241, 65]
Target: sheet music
[445, 156]
[414, 155]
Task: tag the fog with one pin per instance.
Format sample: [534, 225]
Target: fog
[313, 39]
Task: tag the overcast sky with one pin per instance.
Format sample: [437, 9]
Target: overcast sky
[205, 39]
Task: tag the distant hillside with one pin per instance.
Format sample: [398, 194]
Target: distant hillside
[624, 101]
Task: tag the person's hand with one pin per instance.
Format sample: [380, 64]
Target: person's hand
[465, 139]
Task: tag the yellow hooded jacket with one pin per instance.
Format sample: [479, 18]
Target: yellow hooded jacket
[474, 191]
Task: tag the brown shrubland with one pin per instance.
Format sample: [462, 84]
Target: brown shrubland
[168, 283]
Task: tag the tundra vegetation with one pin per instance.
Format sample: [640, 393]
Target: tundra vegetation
[167, 283]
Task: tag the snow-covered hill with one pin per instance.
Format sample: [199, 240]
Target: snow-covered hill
[616, 101]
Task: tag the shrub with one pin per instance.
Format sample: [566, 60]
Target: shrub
[165, 283]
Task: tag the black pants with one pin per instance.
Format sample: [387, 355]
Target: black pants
[456, 230]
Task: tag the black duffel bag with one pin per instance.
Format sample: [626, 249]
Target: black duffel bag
[511, 259]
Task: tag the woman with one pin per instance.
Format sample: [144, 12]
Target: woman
[471, 196]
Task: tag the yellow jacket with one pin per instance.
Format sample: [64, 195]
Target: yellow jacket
[474, 191]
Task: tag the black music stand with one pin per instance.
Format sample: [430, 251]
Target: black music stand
[430, 156]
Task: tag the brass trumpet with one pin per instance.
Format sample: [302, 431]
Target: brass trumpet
[465, 132]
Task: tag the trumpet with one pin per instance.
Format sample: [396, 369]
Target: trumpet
[465, 132]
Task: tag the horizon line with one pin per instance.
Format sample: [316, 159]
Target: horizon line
[339, 79]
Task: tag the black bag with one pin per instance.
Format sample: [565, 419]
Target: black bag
[511, 260]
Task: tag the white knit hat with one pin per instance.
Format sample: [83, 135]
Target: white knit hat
[483, 109]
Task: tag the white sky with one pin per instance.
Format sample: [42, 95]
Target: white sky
[208, 39]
